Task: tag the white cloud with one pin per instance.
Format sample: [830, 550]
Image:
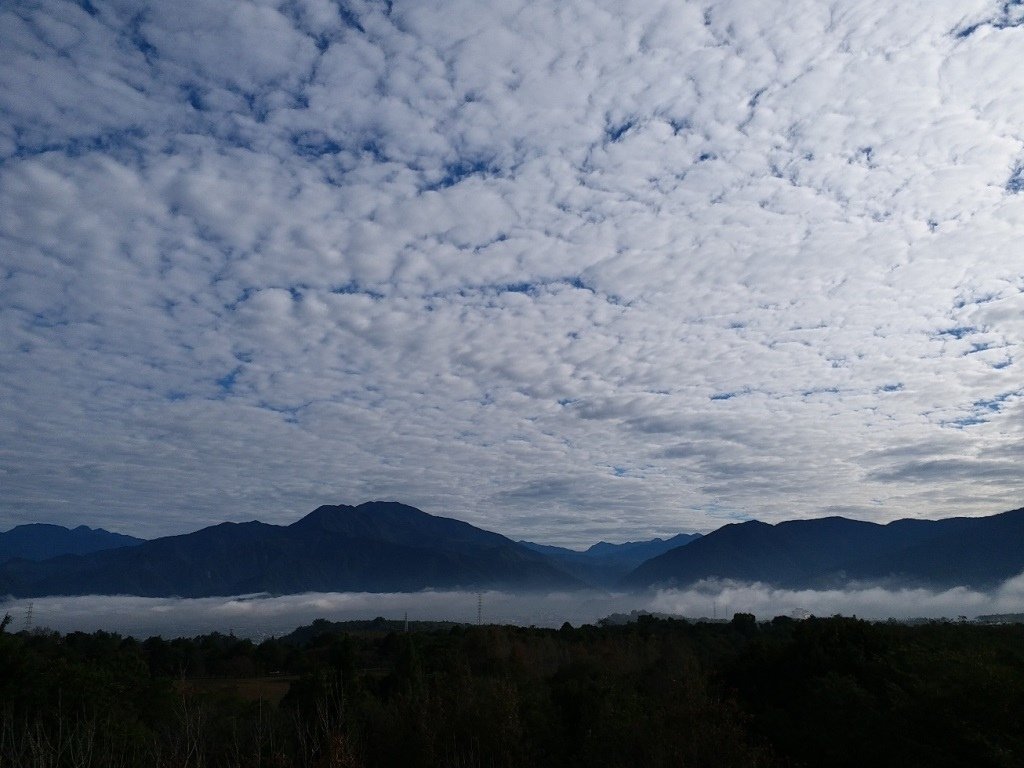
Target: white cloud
[566, 270]
[867, 602]
[261, 615]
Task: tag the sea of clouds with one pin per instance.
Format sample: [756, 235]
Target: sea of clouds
[260, 616]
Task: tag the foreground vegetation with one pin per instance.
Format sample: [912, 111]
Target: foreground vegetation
[819, 692]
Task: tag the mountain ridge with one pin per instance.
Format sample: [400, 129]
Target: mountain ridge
[604, 564]
[828, 552]
[337, 548]
[384, 546]
[42, 541]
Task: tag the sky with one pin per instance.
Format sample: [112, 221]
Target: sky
[567, 270]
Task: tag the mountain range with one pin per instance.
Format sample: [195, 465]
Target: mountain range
[40, 541]
[391, 547]
[374, 547]
[834, 551]
[605, 564]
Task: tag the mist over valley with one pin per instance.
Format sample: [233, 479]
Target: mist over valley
[735, 569]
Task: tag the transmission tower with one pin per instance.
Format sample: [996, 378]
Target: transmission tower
[479, 608]
[28, 617]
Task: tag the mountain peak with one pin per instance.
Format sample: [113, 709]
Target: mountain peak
[396, 523]
[341, 518]
[378, 546]
[41, 541]
[322, 514]
[826, 552]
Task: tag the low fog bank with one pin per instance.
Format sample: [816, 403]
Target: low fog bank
[259, 616]
[724, 598]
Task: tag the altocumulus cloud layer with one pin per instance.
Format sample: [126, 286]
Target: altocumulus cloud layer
[569, 270]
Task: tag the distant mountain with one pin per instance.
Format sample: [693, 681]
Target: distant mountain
[977, 552]
[605, 564]
[390, 547]
[40, 541]
[375, 547]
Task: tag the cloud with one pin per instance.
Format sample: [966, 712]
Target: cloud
[867, 602]
[260, 616]
[931, 472]
[566, 270]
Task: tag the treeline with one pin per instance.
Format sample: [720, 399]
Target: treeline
[819, 692]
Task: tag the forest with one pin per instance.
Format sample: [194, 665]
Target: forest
[656, 692]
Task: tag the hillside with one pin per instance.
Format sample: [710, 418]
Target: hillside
[828, 552]
[375, 547]
[41, 541]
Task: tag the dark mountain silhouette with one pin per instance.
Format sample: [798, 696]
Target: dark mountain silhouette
[41, 541]
[977, 552]
[385, 547]
[375, 547]
[604, 564]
